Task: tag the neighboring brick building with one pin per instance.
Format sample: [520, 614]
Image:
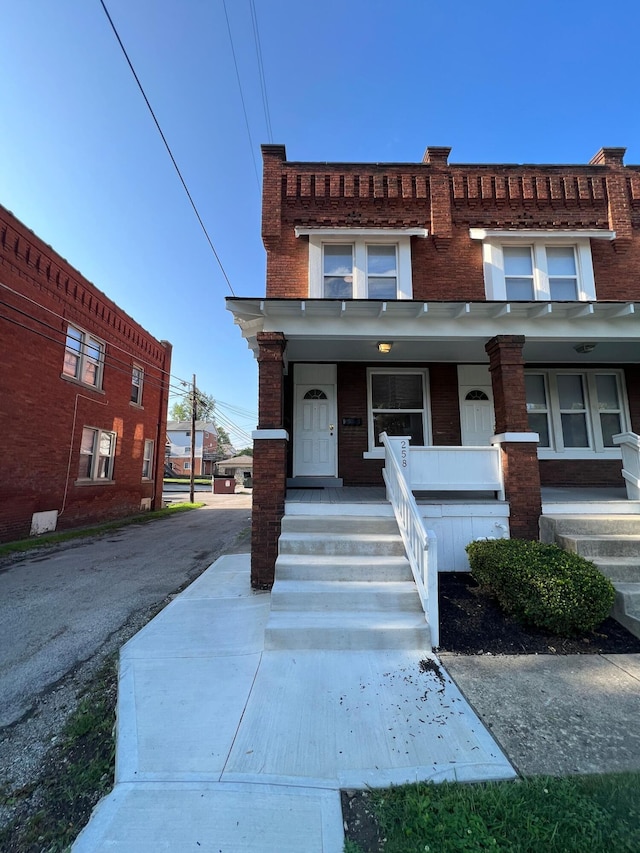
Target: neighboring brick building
[84, 393]
[178, 453]
[506, 296]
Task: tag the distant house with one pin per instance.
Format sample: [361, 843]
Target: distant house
[178, 447]
[239, 467]
[84, 392]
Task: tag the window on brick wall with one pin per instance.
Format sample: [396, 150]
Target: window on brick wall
[527, 266]
[360, 263]
[83, 357]
[137, 377]
[147, 460]
[398, 405]
[576, 413]
[97, 454]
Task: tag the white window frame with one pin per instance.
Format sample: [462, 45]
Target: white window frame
[597, 448]
[96, 457]
[82, 357]
[147, 459]
[186, 466]
[360, 239]
[138, 386]
[493, 242]
[375, 452]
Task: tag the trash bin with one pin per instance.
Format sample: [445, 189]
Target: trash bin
[224, 485]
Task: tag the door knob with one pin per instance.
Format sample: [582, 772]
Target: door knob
[331, 426]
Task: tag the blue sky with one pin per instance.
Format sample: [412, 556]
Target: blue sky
[84, 167]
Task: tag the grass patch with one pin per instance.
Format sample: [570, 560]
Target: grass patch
[68, 535]
[78, 771]
[558, 815]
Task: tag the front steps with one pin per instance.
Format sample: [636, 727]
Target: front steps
[613, 544]
[344, 582]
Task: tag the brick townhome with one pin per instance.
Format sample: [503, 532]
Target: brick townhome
[506, 297]
[84, 396]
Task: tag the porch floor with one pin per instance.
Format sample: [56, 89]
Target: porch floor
[377, 495]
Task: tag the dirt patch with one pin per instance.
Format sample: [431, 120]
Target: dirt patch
[472, 623]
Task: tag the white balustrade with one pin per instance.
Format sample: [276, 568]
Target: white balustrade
[629, 444]
[420, 543]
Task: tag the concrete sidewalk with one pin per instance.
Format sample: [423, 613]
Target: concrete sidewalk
[222, 746]
[556, 715]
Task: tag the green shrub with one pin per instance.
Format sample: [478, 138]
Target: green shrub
[542, 585]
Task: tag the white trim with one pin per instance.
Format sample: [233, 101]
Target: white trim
[588, 375]
[359, 239]
[524, 437]
[494, 265]
[540, 234]
[258, 434]
[372, 448]
[361, 232]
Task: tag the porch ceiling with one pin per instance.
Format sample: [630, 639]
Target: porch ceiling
[327, 329]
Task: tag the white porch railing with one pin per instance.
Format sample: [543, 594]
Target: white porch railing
[456, 469]
[420, 543]
[630, 446]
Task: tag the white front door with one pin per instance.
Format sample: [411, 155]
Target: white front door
[314, 430]
[477, 418]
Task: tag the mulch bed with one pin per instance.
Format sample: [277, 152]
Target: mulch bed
[472, 623]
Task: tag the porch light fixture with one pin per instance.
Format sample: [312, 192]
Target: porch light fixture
[384, 347]
[584, 348]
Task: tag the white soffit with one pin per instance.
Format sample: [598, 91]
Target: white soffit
[540, 234]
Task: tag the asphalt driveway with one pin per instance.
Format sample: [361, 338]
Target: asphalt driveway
[59, 608]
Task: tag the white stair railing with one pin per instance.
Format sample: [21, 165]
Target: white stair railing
[630, 446]
[420, 543]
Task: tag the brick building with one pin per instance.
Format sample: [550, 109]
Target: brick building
[459, 306]
[84, 393]
[178, 452]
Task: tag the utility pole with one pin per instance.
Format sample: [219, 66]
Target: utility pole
[193, 437]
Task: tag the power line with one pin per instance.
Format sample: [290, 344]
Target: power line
[244, 108]
[263, 84]
[166, 145]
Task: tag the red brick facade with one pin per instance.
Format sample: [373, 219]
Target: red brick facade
[45, 411]
[598, 203]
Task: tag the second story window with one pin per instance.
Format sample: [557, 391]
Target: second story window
[83, 357]
[137, 375]
[347, 263]
[527, 266]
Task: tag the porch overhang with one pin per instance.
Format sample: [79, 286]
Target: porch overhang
[349, 330]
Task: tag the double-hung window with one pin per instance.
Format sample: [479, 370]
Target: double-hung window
[398, 405]
[366, 263]
[97, 454]
[576, 413]
[526, 266]
[137, 377]
[83, 357]
[147, 460]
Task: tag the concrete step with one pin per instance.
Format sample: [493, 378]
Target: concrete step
[626, 607]
[313, 595]
[346, 630]
[622, 569]
[349, 524]
[341, 544]
[620, 545]
[349, 568]
[592, 525]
